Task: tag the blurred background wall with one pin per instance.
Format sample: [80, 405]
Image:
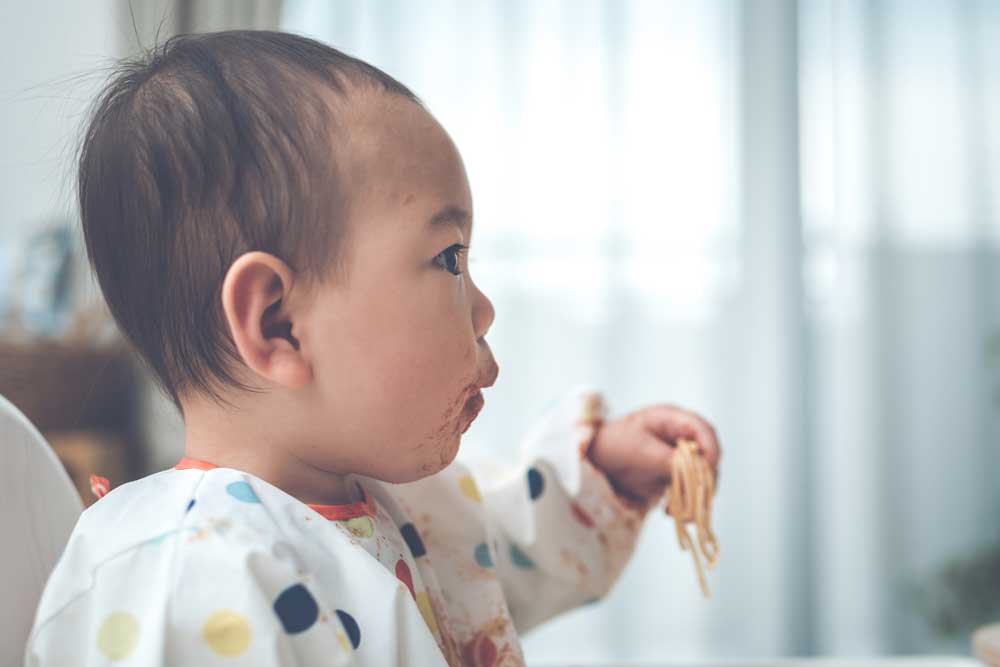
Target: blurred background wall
[781, 214]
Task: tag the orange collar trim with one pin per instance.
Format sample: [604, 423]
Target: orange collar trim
[341, 512]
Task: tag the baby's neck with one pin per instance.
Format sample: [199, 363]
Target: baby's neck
[228, 440]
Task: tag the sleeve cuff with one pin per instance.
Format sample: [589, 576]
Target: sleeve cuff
[583, 410]
[574, 421]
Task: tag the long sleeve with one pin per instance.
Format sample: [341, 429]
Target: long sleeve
[562, 534]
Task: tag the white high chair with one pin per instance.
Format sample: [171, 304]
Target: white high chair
[39, 508]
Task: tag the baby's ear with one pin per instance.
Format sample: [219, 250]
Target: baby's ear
[254, 300]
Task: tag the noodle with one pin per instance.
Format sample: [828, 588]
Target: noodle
[689, 498]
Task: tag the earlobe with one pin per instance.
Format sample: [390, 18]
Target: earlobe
[255, 302]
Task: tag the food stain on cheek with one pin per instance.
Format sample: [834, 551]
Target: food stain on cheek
[449, 428]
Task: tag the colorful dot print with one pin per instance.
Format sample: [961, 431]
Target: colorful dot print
[483, 556]
[242, 491]
[427, 611]
[353, 631]
[536, 483]
[519, 558]
[403, 574]
[118, 635]
[297, 609]
[360, 526]
[468, 487]
[413, 541]
[227, 633]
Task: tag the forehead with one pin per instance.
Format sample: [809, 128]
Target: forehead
[398, 156]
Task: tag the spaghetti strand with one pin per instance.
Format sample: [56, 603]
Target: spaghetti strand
[689, 498]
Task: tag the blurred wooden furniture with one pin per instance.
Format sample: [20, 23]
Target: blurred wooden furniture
[85, 402]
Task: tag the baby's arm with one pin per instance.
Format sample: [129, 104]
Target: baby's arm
[563, 534]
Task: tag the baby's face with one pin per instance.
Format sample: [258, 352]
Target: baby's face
[399, 352]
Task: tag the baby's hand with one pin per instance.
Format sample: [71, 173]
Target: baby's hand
[635, 452]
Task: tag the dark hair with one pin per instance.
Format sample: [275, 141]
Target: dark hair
[197, 151]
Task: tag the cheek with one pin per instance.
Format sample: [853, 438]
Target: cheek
[436, 334]
[434, 367]
[416, 356]
[395, 370]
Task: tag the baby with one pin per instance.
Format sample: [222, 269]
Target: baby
[280, 230]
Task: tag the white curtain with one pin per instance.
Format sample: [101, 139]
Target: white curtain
[779, 214]
[901, 157]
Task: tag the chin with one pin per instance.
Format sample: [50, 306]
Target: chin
[448, 454]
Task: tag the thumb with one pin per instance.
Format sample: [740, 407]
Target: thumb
[656, 461]
[659, 457]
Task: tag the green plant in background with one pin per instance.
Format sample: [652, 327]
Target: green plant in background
[965, 593]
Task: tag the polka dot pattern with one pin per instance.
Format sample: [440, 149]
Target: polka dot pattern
[227, 633]
[404, 575]
[118, 635]
[536, 483]
[297, 609]
[413, 541]
[483, 556]
[520, 559]
[351, 626]
[242, 491]
[360, 526]
[468, 487]
[427, 611]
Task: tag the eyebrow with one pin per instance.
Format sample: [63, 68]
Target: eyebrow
[451, 215]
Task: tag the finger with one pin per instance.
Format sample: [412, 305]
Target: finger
[672, 423]
[659, 461]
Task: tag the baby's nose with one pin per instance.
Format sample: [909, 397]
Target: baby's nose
[483, 314]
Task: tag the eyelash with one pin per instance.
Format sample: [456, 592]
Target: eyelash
[459, 250]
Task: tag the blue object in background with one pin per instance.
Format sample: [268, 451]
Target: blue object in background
[36, 281]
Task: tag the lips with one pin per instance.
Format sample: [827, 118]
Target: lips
[491, 376]
[476, 402]
[472, 408]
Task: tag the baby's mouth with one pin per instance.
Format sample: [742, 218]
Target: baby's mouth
[472, 408]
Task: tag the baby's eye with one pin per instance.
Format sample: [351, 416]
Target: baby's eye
[454, 251]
